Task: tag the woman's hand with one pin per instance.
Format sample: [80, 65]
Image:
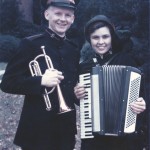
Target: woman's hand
[138, 106]
[79, 91]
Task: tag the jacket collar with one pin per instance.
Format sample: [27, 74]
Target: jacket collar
[107, 54]
[53, 35]
[97, 59]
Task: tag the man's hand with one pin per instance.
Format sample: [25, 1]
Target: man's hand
[51, 78]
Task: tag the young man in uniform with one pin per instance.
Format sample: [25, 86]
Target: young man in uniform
[38, 128]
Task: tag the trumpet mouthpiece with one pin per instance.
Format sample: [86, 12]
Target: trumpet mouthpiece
[42, 47]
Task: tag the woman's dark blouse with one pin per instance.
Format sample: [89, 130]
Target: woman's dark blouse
[120, 58]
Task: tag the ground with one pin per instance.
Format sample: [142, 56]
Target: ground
[10, 109]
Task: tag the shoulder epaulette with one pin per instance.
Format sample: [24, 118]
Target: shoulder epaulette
[33, 37]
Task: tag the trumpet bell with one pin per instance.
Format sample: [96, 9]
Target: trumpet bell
[63, 108]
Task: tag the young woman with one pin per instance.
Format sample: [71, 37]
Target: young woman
[100, 33]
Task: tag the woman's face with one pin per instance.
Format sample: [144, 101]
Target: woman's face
[101, 40]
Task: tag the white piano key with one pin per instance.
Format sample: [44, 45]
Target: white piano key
[88, 129]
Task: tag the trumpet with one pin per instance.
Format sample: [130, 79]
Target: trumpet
[36, 71]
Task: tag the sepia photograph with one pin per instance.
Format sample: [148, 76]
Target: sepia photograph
[74, 75]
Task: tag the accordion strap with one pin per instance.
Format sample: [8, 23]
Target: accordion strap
[110, 60]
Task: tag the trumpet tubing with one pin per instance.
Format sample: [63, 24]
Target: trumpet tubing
[47, 101]
[35, 68]
[36, 71]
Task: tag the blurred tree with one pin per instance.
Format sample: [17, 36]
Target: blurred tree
[8, 47]
[9, 15]
[36, 12]
[26, 7]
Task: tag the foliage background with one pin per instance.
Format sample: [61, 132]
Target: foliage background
[21, 18]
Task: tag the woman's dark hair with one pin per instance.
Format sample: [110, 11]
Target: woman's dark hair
[99, 22]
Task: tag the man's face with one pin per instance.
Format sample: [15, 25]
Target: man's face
[60, 19]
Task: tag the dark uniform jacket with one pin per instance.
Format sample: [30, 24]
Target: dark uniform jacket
[36, 123]
[111, 142]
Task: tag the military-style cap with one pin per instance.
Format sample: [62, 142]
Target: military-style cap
[71, 4]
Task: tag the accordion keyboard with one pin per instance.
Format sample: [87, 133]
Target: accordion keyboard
[85, 108]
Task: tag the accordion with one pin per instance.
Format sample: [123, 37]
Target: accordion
[105, 110]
